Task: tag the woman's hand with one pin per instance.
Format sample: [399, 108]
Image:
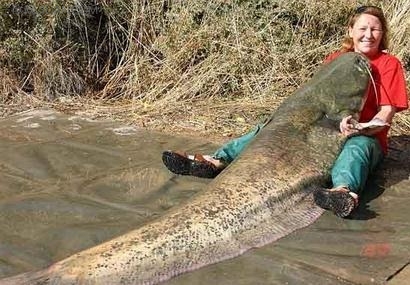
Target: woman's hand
[347, 126]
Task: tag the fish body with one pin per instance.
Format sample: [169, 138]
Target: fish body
[262, 196]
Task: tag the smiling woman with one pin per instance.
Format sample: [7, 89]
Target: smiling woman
[367, 34]
[365, 149]
[367, 31]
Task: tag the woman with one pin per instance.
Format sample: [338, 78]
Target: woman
[364, 149]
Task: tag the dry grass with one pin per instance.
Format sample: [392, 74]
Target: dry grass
[214, 67]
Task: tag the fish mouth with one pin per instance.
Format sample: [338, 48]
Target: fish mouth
[363, 64]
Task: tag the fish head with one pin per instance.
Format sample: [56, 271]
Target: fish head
[345, 86]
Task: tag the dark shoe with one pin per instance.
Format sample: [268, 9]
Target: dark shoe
[338, 200]
[179, 163]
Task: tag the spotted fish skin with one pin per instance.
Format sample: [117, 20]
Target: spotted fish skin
[262, 196]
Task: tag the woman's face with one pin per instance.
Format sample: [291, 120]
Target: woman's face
[367, 33]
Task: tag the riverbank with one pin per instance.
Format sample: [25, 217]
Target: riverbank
[210, 68]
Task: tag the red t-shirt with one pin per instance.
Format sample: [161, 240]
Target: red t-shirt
[390, 87]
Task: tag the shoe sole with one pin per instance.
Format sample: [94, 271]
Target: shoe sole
[340, 203]
[182, 165]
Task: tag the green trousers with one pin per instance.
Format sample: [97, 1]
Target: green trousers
[230, 150]
[359, 157]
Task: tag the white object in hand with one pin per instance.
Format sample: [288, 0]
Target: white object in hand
[371, 124]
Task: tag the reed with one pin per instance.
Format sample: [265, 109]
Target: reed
[213, 66]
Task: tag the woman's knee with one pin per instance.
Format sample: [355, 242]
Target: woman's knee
[362, 142]
[365, 149]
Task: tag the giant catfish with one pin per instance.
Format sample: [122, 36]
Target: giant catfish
[262, 196]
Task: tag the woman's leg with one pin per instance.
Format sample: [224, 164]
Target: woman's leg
[231, 150]
[205, 165]
[359, 157]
